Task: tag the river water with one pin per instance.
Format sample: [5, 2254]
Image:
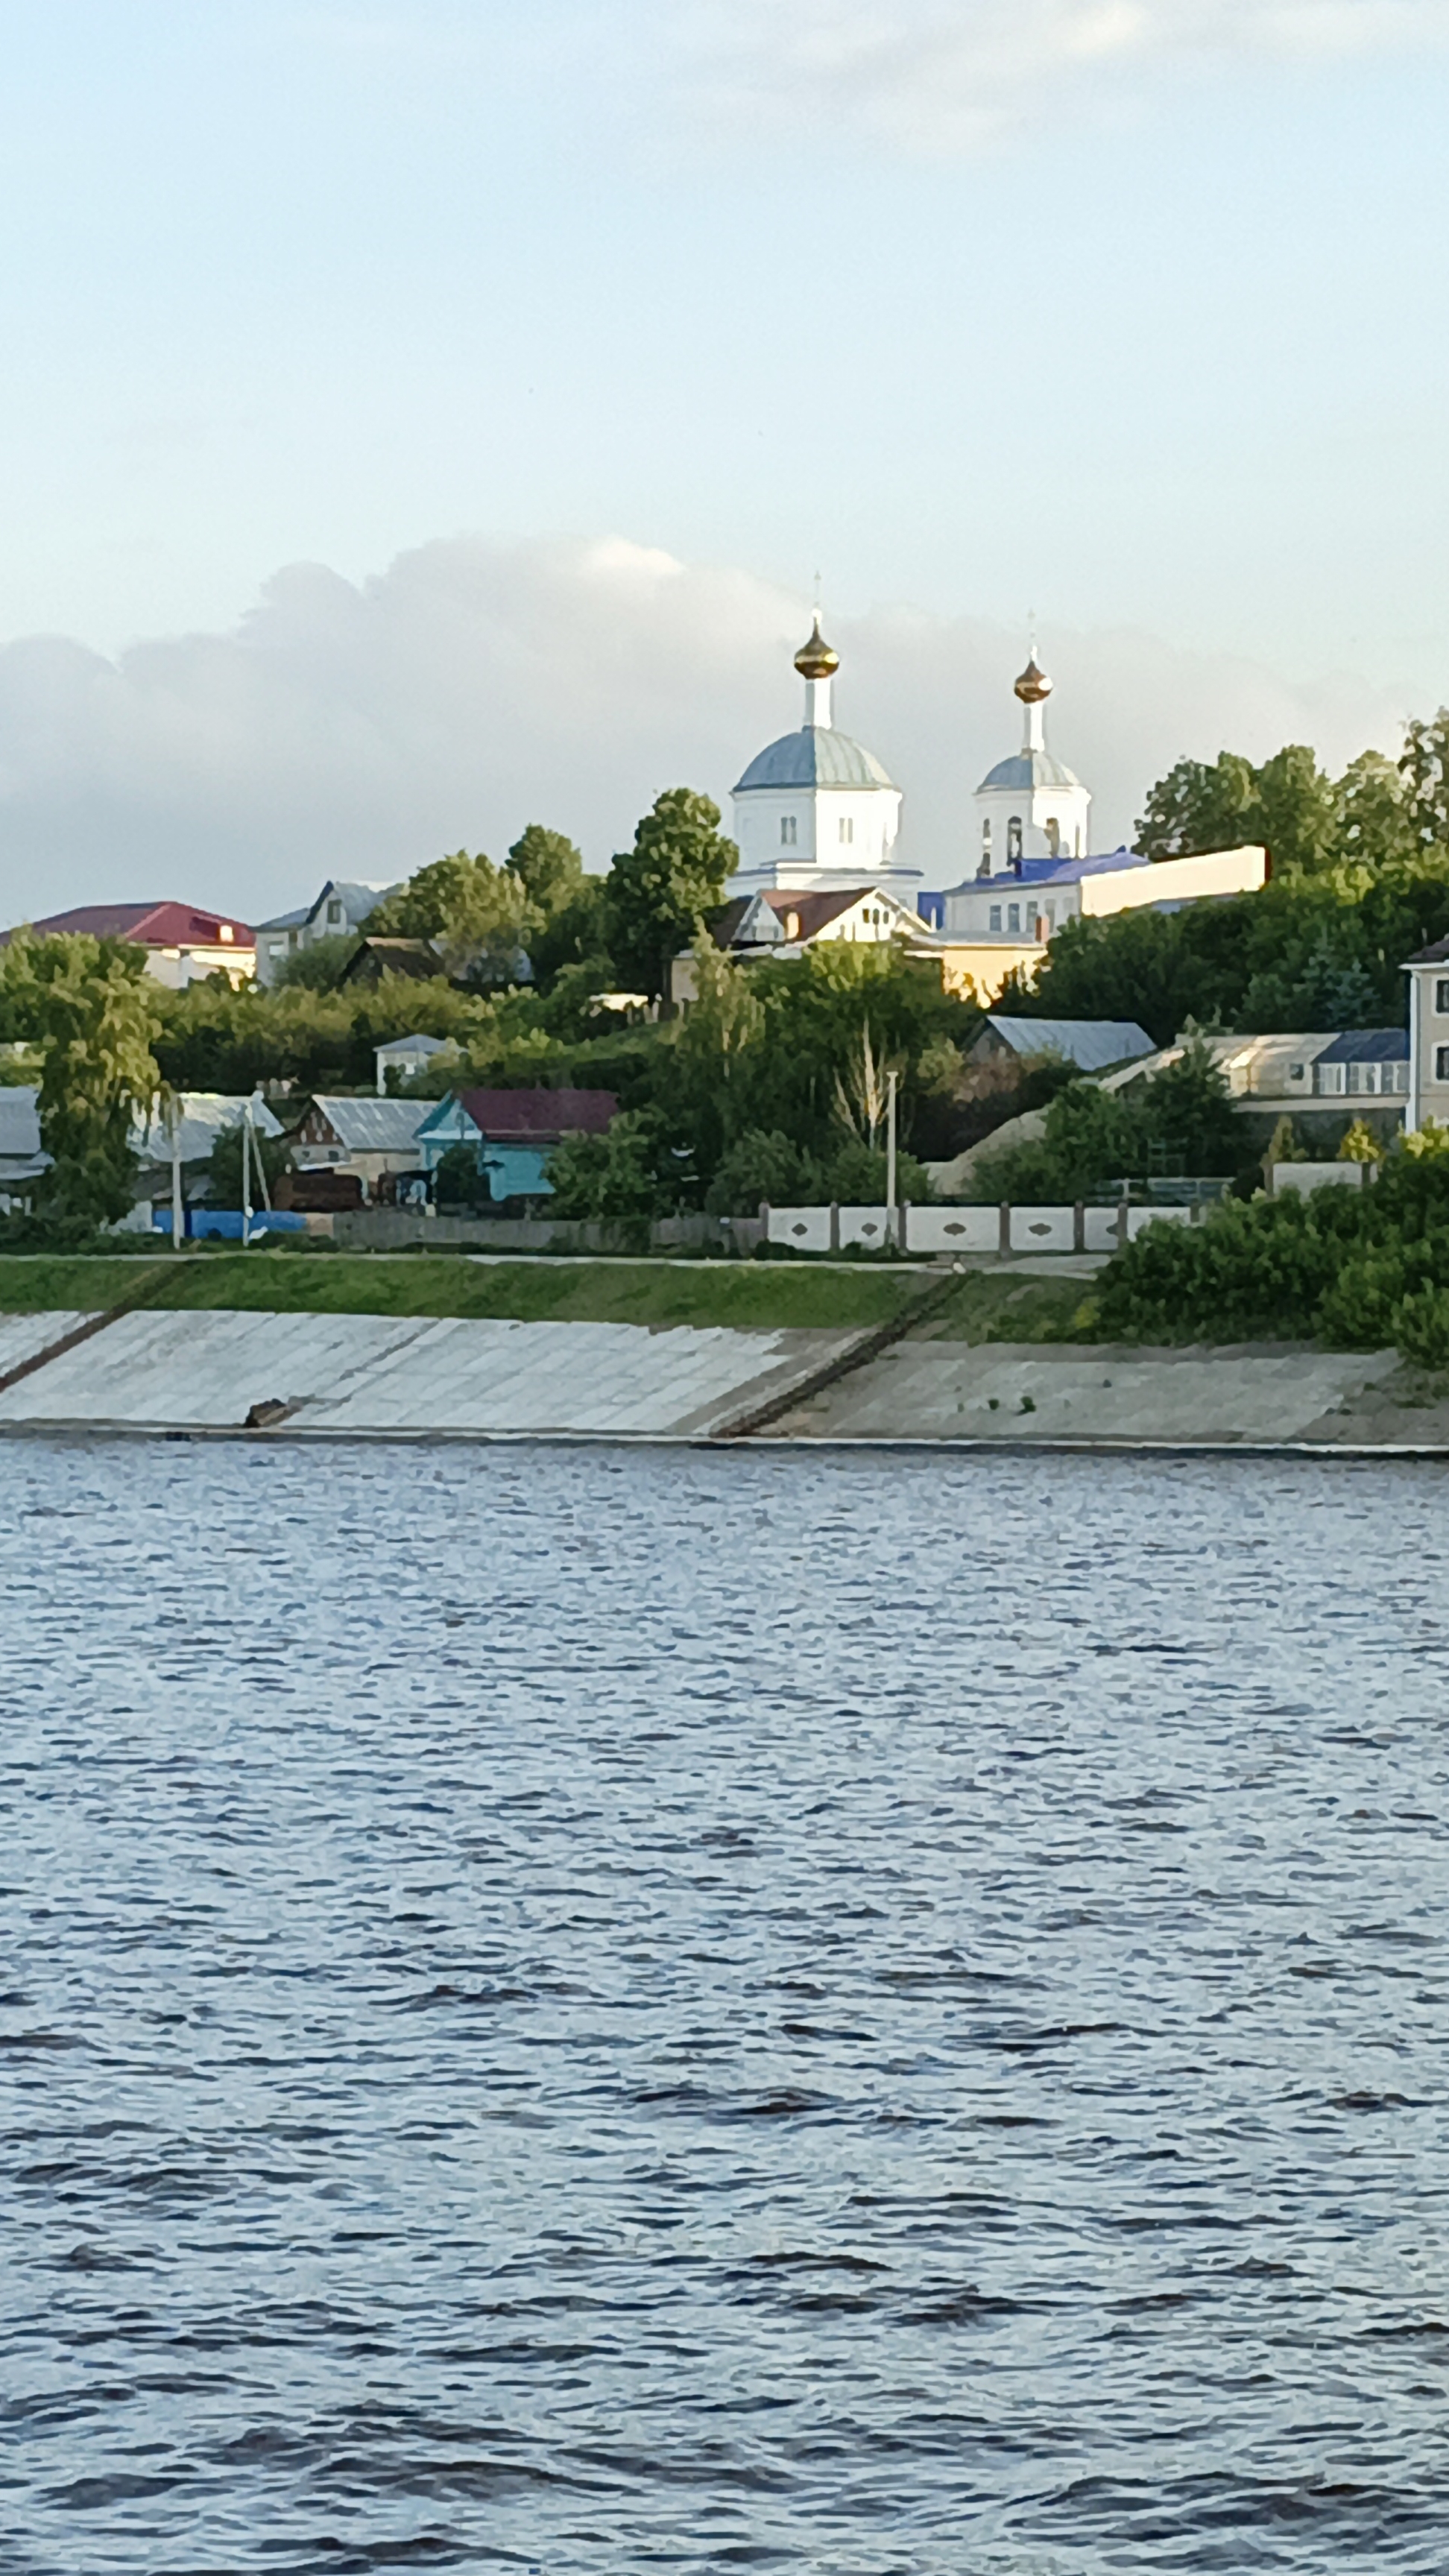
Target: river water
[611, 2011]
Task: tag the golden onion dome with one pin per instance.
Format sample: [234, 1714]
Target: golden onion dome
[1033, 685]
[817, 659]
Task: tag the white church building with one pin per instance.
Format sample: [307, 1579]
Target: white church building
[815, 812]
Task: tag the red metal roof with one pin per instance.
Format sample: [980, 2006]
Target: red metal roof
[154, 925]
[540, 1116]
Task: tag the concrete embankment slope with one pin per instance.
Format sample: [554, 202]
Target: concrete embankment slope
[430, 1376]
[303, 1376]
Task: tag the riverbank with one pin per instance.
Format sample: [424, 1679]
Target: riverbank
[927, 1374]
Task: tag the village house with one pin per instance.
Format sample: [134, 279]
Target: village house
[406, 1059]
[370, 1140]
[182, 943]
[512, 1133]
[341, 908]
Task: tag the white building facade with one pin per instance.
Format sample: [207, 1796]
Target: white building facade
[816, 812]
[1428, 974]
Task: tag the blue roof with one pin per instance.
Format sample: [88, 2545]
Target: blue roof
[1367, 1046]
[1028, 769]
[1052, 871]
[814, 757]
[1091, 1045]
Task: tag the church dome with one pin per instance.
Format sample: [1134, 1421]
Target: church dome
[1028, 769]
[1033, 685]
[817, 660]
[814, 757]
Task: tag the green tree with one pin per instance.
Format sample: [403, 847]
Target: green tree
[662, 890]
[548, 867]
[479, 917]
[1288, 803]
[763, 1165]
[626, 1178]
[1424, 770]
[318, 968]
[93, 1015]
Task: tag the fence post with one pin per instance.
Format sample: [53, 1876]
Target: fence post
[834, 1226]
[1122, 1207]
[1003, 1228]
[903, 1213]
[1079, 1226]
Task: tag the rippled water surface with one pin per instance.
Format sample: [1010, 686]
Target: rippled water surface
[601, 2010]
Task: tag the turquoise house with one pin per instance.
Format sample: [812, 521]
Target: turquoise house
[513, 1133]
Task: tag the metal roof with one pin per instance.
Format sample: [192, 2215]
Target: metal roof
[416, 1045]
[536, 1116]
[155, 925]
[1028, 769]
[1367, 1046]
[1091, 1045]
[814, 757]
[373, 1126]
[204, 1117]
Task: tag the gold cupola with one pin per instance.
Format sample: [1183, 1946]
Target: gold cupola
[817, 660]
[1033, 686]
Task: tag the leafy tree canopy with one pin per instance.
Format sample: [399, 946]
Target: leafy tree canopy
[660, 892]
[89, 1009]
[479, 917]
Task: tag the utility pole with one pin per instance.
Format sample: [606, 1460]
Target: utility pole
[178, 1206]
[892, 1222]
[246, 1176]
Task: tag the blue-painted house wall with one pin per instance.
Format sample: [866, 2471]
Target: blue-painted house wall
[511, 1171]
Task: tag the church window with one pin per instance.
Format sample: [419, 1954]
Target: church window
[787, 831]
[986, 840]
[994, 919]
[1013, 916]
[847, 827]
[1013, 837]
[1054, 836]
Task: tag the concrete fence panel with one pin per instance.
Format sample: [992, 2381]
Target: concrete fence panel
[1039, 1229]
[952, 1229]
[804, 1229]
[869, 1226]
[1100, 1229]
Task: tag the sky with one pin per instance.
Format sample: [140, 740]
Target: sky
[420, 420]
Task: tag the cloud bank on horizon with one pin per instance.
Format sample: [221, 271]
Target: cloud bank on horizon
[471, 688]
[939, 73]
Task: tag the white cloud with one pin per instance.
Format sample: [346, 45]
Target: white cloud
[939, 73]
[472, 688]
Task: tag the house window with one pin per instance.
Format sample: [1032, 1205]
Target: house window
[1049, 917]
[792, 925]
[847, 827]
[334, 912]
[1400, 1074]
[1013, 916]
[787, 831]
[1013, 837]
[1441, 999]
[1441, 1064]
[994, 917]
[1295, 1073]
[227, 931]
[1356, 1081]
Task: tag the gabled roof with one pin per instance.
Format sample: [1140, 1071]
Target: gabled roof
[814, 912]
[416, 958]
[1367, 1046]
[357, 897]
[204, 1115]
[154, 925]
[1091, 1045]
[372, 1126]
[537, 1117]
[816, 756]
[1434, 955]
[415, 1045]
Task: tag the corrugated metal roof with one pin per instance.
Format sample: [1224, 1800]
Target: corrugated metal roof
[374, 1126]
[538, 1117]
[204, 1117]
[816, 756]
[1091, 1045]
[416, 1045]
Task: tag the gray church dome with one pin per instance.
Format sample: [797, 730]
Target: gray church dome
[814, 757]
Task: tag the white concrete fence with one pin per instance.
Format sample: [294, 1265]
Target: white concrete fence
[1001, 1230]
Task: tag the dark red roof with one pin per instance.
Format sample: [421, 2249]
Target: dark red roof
[155, 925]
[538, 1117]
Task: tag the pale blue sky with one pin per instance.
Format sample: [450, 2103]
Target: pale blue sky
[1128, 310]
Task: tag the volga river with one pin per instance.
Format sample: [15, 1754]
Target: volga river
[619, 2011]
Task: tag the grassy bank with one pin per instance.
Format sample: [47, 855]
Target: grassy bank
[761, 1296]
